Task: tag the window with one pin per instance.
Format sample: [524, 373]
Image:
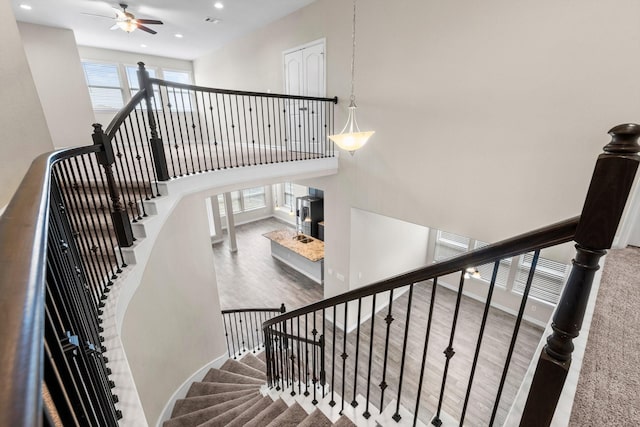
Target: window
[449, 245]
[486, 270]
[244, 200]
[104, 85]
[178, 99]
[548, 279]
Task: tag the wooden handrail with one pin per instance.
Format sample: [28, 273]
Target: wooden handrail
[551, 235]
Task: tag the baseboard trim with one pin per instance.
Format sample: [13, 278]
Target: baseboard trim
[181, 392]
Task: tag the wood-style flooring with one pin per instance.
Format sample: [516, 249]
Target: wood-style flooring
[251, 278]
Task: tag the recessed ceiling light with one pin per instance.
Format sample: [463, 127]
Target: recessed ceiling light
[25, 7]
[179, 35]
[218, 5]
[143, 45]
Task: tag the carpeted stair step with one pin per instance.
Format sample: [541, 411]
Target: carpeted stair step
[263, 357]
[203, 415]
[219, 376]
[289, 418]
[267, 415]
[204, 388]
[344, 421]
[254, 362]
[316, 419]
[252, 412]
[240, 368]
[230, 415]
[191, 404]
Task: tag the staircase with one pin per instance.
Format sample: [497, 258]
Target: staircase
[236, 395]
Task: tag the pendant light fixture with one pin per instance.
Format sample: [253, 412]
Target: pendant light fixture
[352, 138]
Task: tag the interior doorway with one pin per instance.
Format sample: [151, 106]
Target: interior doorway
[304, 75]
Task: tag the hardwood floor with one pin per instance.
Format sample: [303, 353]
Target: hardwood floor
[252, 278]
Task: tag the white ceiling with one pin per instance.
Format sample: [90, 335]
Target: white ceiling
[186, 17]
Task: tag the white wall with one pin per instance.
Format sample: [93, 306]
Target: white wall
[55, 64]
[488, 116]
[22, 122]
[169, 340]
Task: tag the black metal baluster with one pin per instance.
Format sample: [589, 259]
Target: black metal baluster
[176, 170]
[449, 352]
[281, 337]
[104, 200]
[282, 138]
[150, 164]
[230, 141]
[239, 139]
[314, 374]
[354, 403]
[180, 133]
[193, 128]
[434, 286]
[485, 314]
[221, 142]
[246, 132]
[299, 359]
[143, 159]
[123, 178]
[203, 117]
[344, 354]
[226, 127]
[213, 129]
[308, 126]
[233, 336]
[133, 172]
[332, 402]
[226, 333]
[323, 374]
[388, 320]
[306, 355]
[186, 134]
[396, 416]
[366, 412]
[514, 336]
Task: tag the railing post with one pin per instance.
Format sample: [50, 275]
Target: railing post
[119, 216]
[157, 150]
[608, 192]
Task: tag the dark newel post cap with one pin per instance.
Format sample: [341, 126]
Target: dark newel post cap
[624, 139]
[141, 64]
[97, 128]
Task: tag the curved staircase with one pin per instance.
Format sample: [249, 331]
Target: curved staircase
[236, 395]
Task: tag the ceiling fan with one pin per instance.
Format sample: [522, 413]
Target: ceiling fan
[126, 21]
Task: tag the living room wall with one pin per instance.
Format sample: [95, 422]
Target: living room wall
[488, 116]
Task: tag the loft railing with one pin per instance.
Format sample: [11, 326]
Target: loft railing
[62, 234]
[354, 365]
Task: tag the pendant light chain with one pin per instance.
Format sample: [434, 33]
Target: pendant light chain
[353, 55]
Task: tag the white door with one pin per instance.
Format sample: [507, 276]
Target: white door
[304, 74]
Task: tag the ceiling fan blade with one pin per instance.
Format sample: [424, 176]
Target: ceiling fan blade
[149, 21]
[99, 16]
[115, 27]
[147, 29]
[119, 14]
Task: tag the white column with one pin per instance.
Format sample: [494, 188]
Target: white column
[231, 226]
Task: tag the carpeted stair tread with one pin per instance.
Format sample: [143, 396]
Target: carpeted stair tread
[204, 388]
[250, 413]
[218, 376]
[289, 418]
[267, 415]
[344, 421]
[240, 368]
[230, 415]
[203, 415]
[316, 419]
[192, 404]
[262, 356]
[254, 362]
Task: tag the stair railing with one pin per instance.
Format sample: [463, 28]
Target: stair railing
[58, 259]
[243, 328]
[354, 363]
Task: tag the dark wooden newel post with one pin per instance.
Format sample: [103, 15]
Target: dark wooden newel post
[106, 159]
[608, 192]
[157, 150]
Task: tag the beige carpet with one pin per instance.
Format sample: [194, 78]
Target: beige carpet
[609, 385]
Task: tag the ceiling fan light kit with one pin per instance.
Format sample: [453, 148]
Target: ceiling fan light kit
[126, 21]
